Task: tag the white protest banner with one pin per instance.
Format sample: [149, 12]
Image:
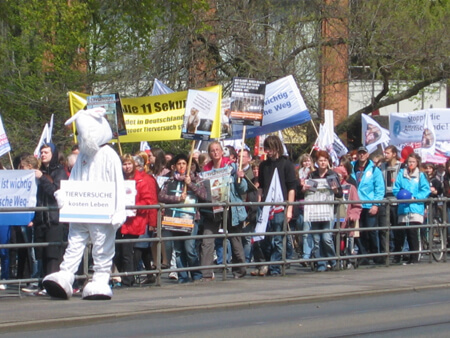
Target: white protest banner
[373, 134]
[87, 202]
[201, 108]
[18, 189]
[406, 129]
[5, 147]
[283, 107]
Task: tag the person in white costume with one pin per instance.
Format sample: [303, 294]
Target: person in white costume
[96, 162]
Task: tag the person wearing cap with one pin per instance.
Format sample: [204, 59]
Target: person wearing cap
[370, 185]
[415, 182]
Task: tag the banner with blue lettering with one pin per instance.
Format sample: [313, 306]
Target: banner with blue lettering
[18, 189]
[407, 129]
[284, 107]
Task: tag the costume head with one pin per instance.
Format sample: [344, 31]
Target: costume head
[93, 130]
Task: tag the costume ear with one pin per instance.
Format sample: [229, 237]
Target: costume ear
[96, 113]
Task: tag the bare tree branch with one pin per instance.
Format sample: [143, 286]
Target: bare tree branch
[378, 103]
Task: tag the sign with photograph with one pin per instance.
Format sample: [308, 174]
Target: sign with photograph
[87, 202]
[217, 184]
[201, 107]
[182, 218]
[114, 112]
[247, 101]
[284, 107]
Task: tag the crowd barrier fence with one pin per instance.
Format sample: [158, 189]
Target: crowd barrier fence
[288, 234]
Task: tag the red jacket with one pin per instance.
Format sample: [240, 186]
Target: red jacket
[147, 194]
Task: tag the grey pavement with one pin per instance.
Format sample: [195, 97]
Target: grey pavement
[20, 311]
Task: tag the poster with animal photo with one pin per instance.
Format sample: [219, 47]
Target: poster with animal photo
[201, 107]
[217, 184]
[247, 101]
[180, 218]
[114, 111]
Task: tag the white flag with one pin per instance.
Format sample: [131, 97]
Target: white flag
[144, 146]
[373, 134]
[160, 88]
[50, 130]
[42, 141]
[274, 195]
[4, 143]
[428, 137]
[285, 151]
[327, 141]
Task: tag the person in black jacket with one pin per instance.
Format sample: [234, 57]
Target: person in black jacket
[273, 245]
[47, 227]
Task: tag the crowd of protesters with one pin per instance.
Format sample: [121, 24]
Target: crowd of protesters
[358, 178]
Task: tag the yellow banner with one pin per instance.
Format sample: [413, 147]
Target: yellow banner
[153, 118]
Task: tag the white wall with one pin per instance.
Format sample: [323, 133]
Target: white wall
[360, 94]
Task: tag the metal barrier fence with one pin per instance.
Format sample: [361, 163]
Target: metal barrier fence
[429, 227]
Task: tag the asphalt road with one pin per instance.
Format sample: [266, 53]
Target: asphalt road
[424, 313]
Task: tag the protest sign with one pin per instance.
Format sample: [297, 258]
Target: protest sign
[5, 147]
[319, 212]
[284, 107]
[217, 184]
[226, 128]
[153, 118]
[87, 202]
[18, 189]
[407, 129]
[130, 196]
[373, 134]
[181, 218]
[201, 108]
[114, 112]
[247, 101]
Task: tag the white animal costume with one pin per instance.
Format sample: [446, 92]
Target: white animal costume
[96, 162]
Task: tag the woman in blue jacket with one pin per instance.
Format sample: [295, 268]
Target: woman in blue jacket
[416, 183]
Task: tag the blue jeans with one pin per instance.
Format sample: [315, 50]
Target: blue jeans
[247, 244]
[185, 253]
[323, 243]
[276, 242]
[307, 239]
[188, 257]
[218, 245]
